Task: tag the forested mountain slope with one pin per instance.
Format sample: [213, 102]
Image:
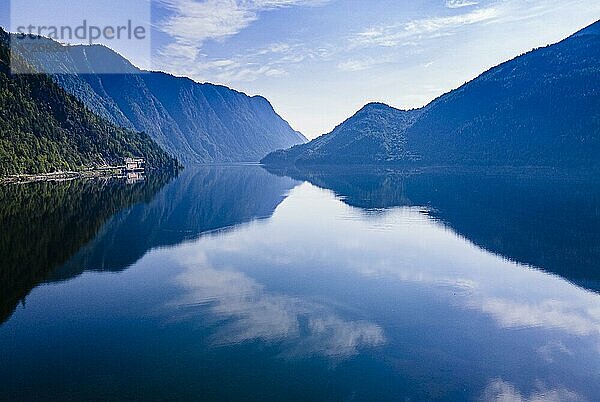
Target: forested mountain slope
[44, 129]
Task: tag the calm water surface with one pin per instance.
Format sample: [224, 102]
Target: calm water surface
[236, 283]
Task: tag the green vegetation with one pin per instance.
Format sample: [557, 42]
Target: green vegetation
[43, 129]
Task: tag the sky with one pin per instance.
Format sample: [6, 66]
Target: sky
[319, 61]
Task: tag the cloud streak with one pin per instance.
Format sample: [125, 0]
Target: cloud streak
[499, 390]
[418, 29]
[191, 23]
[460, 3]
[272, 60]
[247, 312]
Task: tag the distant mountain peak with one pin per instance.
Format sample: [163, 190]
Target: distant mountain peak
[376, 106]
[383, 107]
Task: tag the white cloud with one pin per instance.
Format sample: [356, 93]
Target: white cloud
[434, 25]
[404, 34]
[415, 31]
[234, 71]
[192, 23]
[358, 64]
[460, 3]
[467, 16]
[271, 60]
[197, 21]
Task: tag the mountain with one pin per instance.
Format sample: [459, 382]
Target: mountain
[44, 129]
[541, 108]
[373, 135]
[198, 123]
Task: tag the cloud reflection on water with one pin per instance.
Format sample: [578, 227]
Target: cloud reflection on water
[313, 234]
[499, 390]
[248, 312]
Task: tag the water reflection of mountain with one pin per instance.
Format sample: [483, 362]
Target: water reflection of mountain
[43, 224]
[200, 200]
[547, 219]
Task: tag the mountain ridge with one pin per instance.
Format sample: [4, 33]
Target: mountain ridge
[353, 142]
[540, 108]
[197, 122]
[593, 29]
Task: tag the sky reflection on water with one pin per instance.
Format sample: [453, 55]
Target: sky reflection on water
[344, 301]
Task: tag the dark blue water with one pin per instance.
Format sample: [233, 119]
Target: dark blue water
[239, 284]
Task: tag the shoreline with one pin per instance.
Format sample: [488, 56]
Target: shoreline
[24, 178]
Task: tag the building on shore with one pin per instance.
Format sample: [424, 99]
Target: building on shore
[134, 164]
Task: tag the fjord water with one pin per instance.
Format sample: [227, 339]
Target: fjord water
[236, 283]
